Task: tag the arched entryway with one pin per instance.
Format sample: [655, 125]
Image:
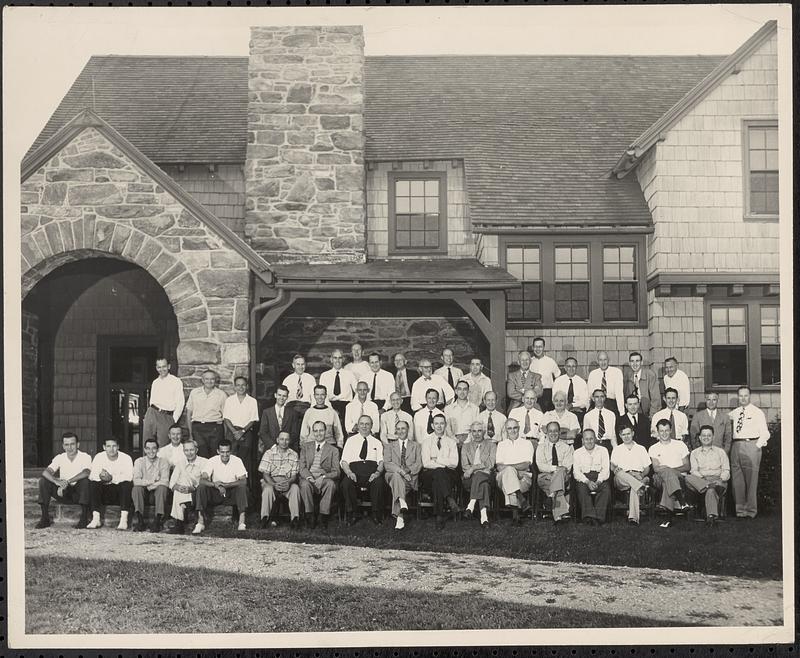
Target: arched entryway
[91, 331]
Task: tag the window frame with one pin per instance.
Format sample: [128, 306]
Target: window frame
[393, 177]
[595, 244]
[523, 245]
[747, 124]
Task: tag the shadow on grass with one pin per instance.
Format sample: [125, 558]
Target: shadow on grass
[70, 595]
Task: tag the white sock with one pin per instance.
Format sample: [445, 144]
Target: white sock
[471, 504]
[400, 523]
[484, 514]
[402, 502]
[96, 516]
[123, 517]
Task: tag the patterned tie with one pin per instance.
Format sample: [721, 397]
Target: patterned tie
[450, 377]
[672, 423]
[403, 455]
[299, 391]
[363, 454]
[740, 422]
[555, 455]
[430, 421]
[279, 416]
[374, 386]
[337, 384]
[603, 385]
[438, 442]
[490, 426]
[398, 384]
[601, 426]
[636, 385]
[527, 427]
[570, 392]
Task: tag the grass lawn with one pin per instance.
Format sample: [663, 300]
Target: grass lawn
[734, 547]
[70, 595]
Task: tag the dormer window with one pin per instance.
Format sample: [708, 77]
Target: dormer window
[761, 169]
[417, 213]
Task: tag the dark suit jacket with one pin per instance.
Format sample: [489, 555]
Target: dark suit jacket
[391, 459]
[329, 459]
[723, 430]
[411, 376]
[649, 392]
[641, 431]
[516, 385]
[269, 430]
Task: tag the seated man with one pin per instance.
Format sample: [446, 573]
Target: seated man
[514, 458]
[319, 471]
[461, 413]
[403, 462]
[173, 451]
[279, 468]
[630, 464]
[477, 465]
[670, 458]
[423, 418]
[493, 421]
[439, 461]
[392, 416]
[567, 421]
[362, 463]
[67, 480]
[602, 421]
[223, 481]
[150, 482]
[479, 383]
[554, 461]
[322, 411]
[361, 407]
[110, 482]
[710, 472]
[591, 472]
[184, 481]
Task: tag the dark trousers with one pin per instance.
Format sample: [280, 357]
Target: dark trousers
[208, 436]
[439, 481]
[78, 494]
[209, 496]
[101, 493]
[350, 491]
[480, 487]
[339, 407]
[546, 400]
[593, 505]
[141, 496]
[243, 448]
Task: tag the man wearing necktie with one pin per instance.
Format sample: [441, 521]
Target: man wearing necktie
[554, 461]
[575, 388]
[716, 418]
[449, 372]
[529, 417]
[522, 380]
[591, 471]
[359, 407]
[300, 385]
[404, 378]
[643, 383]
[477, 465]
[423, 419]
[381, 383]
[403, 463]
[340, 384]
[439, 462]
[750, 437]
[492, 420]
[637, 421]
[276, 419]
[602, 422]
[390, 419]
[513, 459]
[608, 379]
[678, 421]
[362, 463]
[428, 380]
[319, 471]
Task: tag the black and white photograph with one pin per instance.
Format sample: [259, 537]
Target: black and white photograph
[383, 326]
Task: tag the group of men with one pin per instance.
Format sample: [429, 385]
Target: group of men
[366, 431]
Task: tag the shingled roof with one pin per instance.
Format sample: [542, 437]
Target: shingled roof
[538, 134]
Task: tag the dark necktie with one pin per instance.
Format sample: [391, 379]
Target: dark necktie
[403, 455]
[672, 425]
[635, 421]
[363, 454]
[318, 447]
[299, 391]
[450, 377]
[570, 392]
[374, 385]
[527, 427]
[439, 443]
[603, 385]
[555, 455]
[740, 422]
[490, 426]
[337, 384]
[601, 425]
[430, 421]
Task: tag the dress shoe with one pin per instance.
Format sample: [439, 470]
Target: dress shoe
[178, 529]
[137, 525]
[311, 521]
[157, 524]
[467, 515]
[323, 521]
[264, 523]
[633, 522]
[294, 524]
[44, 522]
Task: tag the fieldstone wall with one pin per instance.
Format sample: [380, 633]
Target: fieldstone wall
[91, 200]
[305, 153]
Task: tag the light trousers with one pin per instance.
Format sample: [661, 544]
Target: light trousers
[178, 501]
[745, 461]
[400, 488]
[554, 485]
[712, 490]
[511, 481]
[325, 488]
[141, 495]
[630, 481]
[269, 494]
[669, 483]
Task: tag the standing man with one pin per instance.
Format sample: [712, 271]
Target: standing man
[448, 372]
[670, 458]
[591, 470]
[513, 459]
[361, 407]
[630, 465]
[404, 378]
[461, 414]
[678, 422]
[477, 465]
[166, 404]
[719, 420]
[279, 468]
[340, 384]
[110, 482]
[358, 366]
[240, 415]
[278, 418]
[223, 481]
[637, 421]
[173, 451]
[709, 472]
[67, 480]
[362, 463]
[381, 383]
[439, 462]
[403, 463]
[204, 414]
[750, 436]
[321, 412]
[392, 417]
[300, 385]
[567, 421]
[494, 422]
[677, 379]
[609, 380]
[522, 380]
[427, 381]
[479, 384]
[184, 482]
[575, 388]
[602, 422]
[150, 482]
[529, 417]
[547, 369]
[554, 461]
[643, 383]
[319, 471]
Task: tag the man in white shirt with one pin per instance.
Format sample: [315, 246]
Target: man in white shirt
[404, 378]
[477, 465]
[318, 474]
[166, 404]
[67, 480]
[670, 459]
[630, 464]
[392, 417]
[602, 422]
[677, 379]
[479, 384]
[590, 466]
[362, 463]
[494, 422]
[750, 436]
[204, 414]
[184, 482]
[325, 414]
[300, 385]
[461, 413]
[513, 459]
[575, 388]
[448, 372]
[150, 482]
[358, 366]
[439, 462]
[547, 369]
[240, 415]
[361, 407]
[428, 380]
[340, 384]
[223, 481]
[423, 419]
[528, 417]
[709, 472]
[173, 451]
[403, 463]
[609, 380]
[521, 380]
[679, 423]
[111, 482]
[381, 382]
[554, 460]
[567, 421]
[643, 383]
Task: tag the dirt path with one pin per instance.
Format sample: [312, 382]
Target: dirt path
[689, 598]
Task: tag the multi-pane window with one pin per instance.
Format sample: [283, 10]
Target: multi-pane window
[418, 222]
[762, 169]
[524, 303]
[572, 283]
[770, 345]
[620, 290]
[729, 345]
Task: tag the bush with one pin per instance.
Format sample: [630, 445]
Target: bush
[769, 475]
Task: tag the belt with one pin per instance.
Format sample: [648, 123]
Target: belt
[755, 439]
[210, 422]
[163, 411]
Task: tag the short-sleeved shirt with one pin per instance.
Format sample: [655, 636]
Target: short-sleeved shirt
[66, 469]
[173, 454]
[206, 407]
[240, 413]
[670, 453]
[352, 449]
[121, 469]
[280, 463]
[633, 458]
[216, 470]
[514, 452]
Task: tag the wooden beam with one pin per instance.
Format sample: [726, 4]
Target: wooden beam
[497, 346]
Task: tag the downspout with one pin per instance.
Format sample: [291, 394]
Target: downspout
[255, 314]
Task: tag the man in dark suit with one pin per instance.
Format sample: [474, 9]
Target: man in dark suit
[718, 419]
[636, 420]
[404, 379]
[643, 383]
[319, 471]
[403, 463]
[278, 418]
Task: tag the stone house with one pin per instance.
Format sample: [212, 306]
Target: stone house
[231, 211]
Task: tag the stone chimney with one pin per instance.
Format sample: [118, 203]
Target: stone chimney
[305, 144]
